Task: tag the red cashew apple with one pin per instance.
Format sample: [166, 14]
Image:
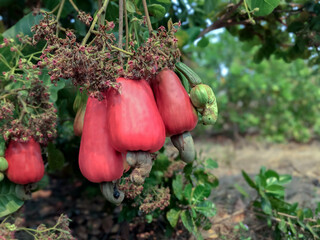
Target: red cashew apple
[25, 164]
[98, 160]
[135, 125]
[177, 111]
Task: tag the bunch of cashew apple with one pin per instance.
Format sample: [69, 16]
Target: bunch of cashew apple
[129, 125]
[124, 130]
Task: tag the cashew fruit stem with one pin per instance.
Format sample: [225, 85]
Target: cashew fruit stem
[141, 162]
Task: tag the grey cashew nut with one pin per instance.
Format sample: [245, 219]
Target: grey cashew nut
[111, 192]
[184, 143]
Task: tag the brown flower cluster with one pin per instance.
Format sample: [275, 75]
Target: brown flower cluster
[130, 189]
[160, 199]
[85, 18]
[91, 66]
[159, 51]
[96, 65]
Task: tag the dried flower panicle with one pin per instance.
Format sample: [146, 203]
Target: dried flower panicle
[130, 189]
[159, 199]
[158, 52]
[85, 17]
[25, 109]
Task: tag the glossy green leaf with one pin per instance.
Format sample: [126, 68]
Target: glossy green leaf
[265, 6]
[211, 164]
[177, 186]
[187, 192]
[241, 190]
[275, 189]
[284, 179]
[207, 208]
[173, 217]
[266, 205]
[130, 7]
[248, 180]
[188, 221]
[201, 192]
[156, 10]
[9, 202]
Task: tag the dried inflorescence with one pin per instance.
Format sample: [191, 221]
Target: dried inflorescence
[159, 199]
[130, 189]
[85, 17]
[96, 65]
[158, 52]
[25, 109]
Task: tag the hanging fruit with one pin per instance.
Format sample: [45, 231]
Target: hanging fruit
[25, 162]
[98, 161]
[202, 96]
[135, 125]
[177, 112]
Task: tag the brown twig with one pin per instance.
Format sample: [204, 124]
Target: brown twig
[59, 14]
[223, 21]
[127, 25]
[146, 13]
[120, 23]
[102, 9]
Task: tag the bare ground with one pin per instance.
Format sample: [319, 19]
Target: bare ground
[302, 161]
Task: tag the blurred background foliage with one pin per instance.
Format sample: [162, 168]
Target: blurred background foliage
[264, 74]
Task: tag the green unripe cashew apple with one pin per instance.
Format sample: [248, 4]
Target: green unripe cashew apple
[1, 176]
[3, 164]
[201, 95]
[210, 114]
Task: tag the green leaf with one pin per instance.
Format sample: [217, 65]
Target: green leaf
[265, 6]
[188, 221]
[275, 189]
[9, 202]
[131, 8]
[207, 208]
[284, 179]
[203, 42]
[293, 230]
[200, 193]
[312, 231]
[248, 180]
[177, 186]
[173, 217]
[23, 26]
[55, 157]
[188, 169]
[157, 11]
[282, 226]
[188, 192]
[211, 164]
[271, 174]
[241, 190]
[266, 205]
